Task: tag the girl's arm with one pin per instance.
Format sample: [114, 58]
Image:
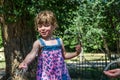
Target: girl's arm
[31, 55]
[71, 55]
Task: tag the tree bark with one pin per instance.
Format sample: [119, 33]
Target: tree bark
[107, 51]
[17, 39]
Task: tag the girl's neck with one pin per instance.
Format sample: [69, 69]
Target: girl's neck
[49, 38]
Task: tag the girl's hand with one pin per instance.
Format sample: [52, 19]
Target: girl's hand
[114, 73]
[23, 65]
[78, 49]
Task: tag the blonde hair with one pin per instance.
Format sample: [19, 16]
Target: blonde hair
[45, 17]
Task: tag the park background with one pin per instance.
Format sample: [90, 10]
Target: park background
[95, 24]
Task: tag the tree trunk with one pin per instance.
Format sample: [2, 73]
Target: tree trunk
[118, 43]
[18, 39]
[107, 51]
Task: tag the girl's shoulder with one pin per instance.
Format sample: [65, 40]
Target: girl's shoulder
[60, 39]
[37, 43]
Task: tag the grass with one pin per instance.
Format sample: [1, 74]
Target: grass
[89, 57]
[2, 64]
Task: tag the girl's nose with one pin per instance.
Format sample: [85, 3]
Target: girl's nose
[43, 27]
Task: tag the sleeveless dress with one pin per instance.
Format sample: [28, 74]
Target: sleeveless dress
[51, 65]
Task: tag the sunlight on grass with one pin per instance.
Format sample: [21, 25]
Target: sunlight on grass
[2, 64]
[89, 57]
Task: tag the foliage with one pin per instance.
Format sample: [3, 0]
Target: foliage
[64, 11]
[90, 19]
[112, 24]
[93, 21]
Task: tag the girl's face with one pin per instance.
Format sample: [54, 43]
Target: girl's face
[45, 30]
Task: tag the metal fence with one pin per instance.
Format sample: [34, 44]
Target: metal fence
[83, 69]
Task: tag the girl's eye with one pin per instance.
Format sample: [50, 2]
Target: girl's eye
[39, 26]
[45, 25]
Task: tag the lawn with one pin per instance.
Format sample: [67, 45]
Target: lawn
[2, 64]
[89, 57]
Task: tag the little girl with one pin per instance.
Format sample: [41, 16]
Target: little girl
[50, 50]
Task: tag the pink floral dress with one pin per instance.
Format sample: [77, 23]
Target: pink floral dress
[51, 65]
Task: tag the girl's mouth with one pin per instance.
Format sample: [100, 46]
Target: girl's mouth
[43, 33]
